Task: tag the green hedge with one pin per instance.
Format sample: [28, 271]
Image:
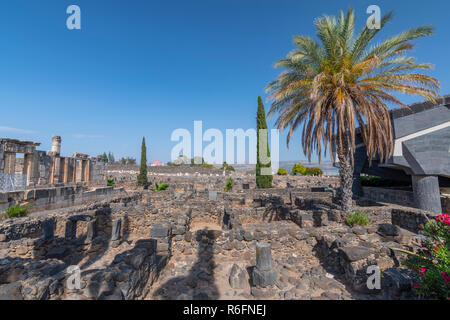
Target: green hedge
[313, 171]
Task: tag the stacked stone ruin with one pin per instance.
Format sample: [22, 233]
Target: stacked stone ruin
[192, 242]
[37, 168]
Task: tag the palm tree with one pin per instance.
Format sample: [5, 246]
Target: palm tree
[333, 84]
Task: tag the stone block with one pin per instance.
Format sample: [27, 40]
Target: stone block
[47, 229]
[263, 278]
[355, 253]
[116, 229]
[212, 195]
[91, 232]
[238, 278]
[307, 220]
[160, 231]
[11, 291]
[396, 283]
[263, 256]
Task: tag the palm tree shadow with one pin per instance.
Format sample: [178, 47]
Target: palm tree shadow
[199, 283]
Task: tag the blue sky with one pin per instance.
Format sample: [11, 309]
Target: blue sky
[144, 68]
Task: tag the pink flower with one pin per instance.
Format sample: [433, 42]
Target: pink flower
[444, 218]
[422, 270]
[445, 277]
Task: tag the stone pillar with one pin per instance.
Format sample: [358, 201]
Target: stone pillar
[2, 158]
[56, 169]
[32, 168]
[91, 231]
[115, 233]
[70, 170]
[65, 175]
[263, 274]
[62, 164]
[10, 162]
[78, 170]
[426, 193]
[87, 171]
[83, 170]
[71, 229]
[56, 146]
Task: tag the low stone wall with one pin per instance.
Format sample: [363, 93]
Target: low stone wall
[127, 276]
[55, 197]
[400, 197]
[410, 219]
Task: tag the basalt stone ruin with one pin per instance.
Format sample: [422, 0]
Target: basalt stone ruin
[196, 241]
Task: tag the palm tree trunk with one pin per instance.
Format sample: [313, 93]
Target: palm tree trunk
[346, 178]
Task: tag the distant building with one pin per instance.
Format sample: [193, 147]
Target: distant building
[156, 163]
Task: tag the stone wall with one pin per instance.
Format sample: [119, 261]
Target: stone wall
[13, 181]
[36, 253]
[55, 197]
[411, 219]
[124, 243]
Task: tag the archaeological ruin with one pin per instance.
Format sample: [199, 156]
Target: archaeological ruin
[195, 240]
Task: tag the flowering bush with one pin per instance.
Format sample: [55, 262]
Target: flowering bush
[432, 263]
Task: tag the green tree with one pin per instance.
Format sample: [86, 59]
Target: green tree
[123, 161]
[262, 180]
[142, 177]
[343, 80]
[111, 157]
[105, 157]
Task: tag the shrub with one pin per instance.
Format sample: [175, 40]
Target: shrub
[375, 181]
[17, 211]
[299, 169]
[282, 172]
[207, 166]
[227, 167]
[161, 186]
[230, 168]
[229, 185]
[110, 182]
[357, 218]
[432, 263]
[313, 171]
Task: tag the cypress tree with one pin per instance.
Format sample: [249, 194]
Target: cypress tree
[142, 177]
[262, 181]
